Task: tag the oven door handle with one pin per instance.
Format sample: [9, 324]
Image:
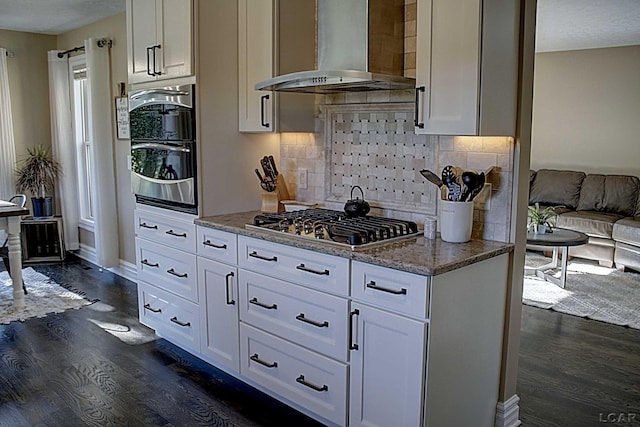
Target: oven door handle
[158, 92]
[160, 146]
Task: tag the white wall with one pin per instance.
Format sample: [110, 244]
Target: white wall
[586, 110]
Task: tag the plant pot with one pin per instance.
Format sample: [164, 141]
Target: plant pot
[539, 228]
[42, 207]
[456, 221]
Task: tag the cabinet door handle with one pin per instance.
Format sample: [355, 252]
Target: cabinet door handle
[256, 358]
[309, 270]
[416, 121]
[146, 262]
[155, 72]
[254, 254]
[155, 310]
[145, 225]
[263, 99]
[352, 345]
[301, 318]
[213, 245]
[173, 272]
[177, 322]
[173, 233]
[302, 381]
[263, 305]
[372, 285]
[227, 283]
[149, 61]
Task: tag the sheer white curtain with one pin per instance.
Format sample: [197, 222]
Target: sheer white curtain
[102, 167]
[63, 147]
[7, 144]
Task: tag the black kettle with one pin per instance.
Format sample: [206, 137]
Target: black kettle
[356, 207]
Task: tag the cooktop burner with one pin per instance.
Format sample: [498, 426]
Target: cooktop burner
[335, 227]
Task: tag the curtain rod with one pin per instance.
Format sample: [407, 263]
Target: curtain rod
[100, 43]
[9, 53]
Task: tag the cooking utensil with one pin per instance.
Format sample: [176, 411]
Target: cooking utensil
[450, 180]
[264, 184]
[479, 186]
[471, 180]
[357, 206]
[431, 177]
[274, 169]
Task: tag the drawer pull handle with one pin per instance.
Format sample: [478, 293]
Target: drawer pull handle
[372, 285]
[256, 358]
[155, 310]
[254, 254]
[226, 278]
[176, 321]
[301, 318]
[310, 270]
[146, 262]
[354, 313]
[263, 305]
[173, 233]
[213, 245]
[145, 225]
[173, 272]
[302, 381]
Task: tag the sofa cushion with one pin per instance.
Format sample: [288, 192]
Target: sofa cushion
[627, 230]
[591, 223]
[556, 187]
[609, 193]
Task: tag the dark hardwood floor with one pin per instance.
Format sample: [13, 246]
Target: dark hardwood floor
[98, 366]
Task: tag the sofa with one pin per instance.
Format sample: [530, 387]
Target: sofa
[604, 207]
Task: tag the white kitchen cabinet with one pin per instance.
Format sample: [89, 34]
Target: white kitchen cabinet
[274, 37]
[387, 368]
[466, 67]
[159, 39]
[218, 290]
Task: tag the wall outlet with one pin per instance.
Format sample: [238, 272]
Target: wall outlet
[303, 179]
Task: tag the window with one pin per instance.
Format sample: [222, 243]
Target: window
[80, 116]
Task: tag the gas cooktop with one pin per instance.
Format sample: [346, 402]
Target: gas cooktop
[335, 227]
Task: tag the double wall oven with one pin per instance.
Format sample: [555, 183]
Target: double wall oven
[163, 147]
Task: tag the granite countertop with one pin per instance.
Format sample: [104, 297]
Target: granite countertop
[415, 255]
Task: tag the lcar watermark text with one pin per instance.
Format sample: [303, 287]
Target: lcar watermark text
[619, 417]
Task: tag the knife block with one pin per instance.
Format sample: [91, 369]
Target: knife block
[272, 200]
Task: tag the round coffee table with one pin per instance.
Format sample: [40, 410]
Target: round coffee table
[559, 238]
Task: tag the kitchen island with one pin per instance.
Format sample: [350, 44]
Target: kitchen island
[406, 333]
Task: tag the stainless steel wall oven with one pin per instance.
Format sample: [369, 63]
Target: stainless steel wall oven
[163, 147]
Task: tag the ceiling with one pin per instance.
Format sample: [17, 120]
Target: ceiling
[561, 24]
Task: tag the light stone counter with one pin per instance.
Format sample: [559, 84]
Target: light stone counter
[415, 255]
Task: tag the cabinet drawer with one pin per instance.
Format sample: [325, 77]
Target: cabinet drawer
[174, 232]
[172, 317]
[308, 379]
[320, 271]
[169, 269]
[217, 245]
[395, 290]
[309, 318]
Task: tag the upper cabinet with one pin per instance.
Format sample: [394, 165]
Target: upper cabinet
[274, 37]
[466, 67]
[160, 40]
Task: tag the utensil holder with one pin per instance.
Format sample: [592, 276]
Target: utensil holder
[272, 200]
[456, 221]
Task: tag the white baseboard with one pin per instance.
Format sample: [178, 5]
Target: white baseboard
[508, 413]
[125, 269]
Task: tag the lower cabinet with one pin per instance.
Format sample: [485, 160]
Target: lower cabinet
[218, 295]
[387, 368]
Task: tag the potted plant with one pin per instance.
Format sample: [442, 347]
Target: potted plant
[37, 175]
[541, 219]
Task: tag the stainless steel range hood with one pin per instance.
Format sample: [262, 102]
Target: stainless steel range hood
[360, 45]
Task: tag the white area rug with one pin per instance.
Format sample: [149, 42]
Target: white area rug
[591, 291]
[44, 297]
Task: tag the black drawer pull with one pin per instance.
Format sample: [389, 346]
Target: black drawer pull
[213, 245]
[301, 318]
[146, 262]
[416, 121]
[176, 321]
[263, 305]
[145, 225]
[155, 310]
[173, 272]
[230, 300]
[309, 270]
[173, 233]
[352, 345]
[372, 285]
[254, 254]
[302, 381]
[256, 358]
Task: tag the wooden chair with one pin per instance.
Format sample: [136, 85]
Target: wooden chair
[20, 200]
